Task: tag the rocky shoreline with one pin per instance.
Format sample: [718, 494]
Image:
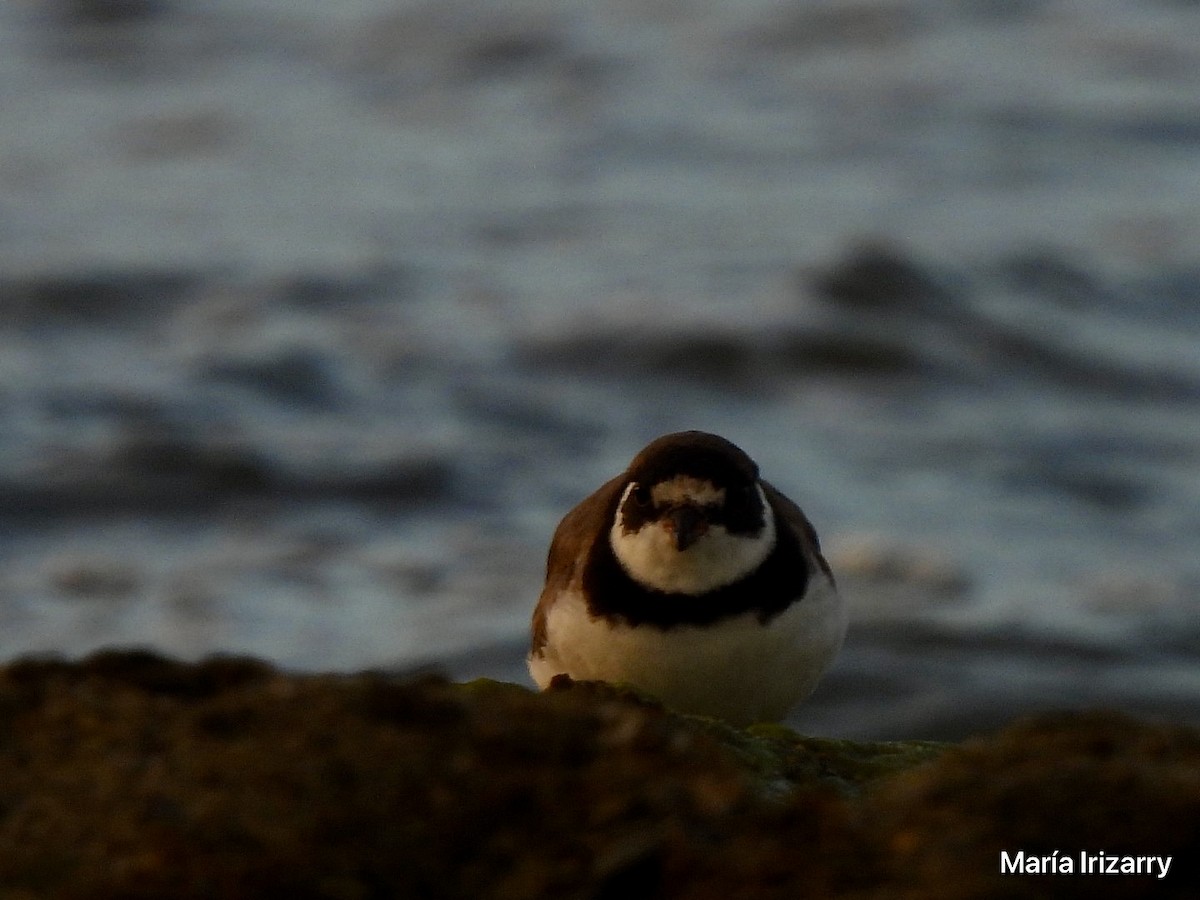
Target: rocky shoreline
[132, 775]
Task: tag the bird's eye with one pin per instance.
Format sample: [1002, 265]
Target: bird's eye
[741, 502]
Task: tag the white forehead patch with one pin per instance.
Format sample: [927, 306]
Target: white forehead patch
[687, 489]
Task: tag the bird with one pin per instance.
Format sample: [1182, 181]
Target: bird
[689, 578]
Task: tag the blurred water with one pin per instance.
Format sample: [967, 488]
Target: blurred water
[314, 318]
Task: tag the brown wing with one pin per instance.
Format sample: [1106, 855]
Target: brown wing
[568, 551]
[794, 517]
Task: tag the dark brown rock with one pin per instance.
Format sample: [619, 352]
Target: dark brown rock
[1075, 782]
[129, 775]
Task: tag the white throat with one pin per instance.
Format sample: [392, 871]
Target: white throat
[716, 559]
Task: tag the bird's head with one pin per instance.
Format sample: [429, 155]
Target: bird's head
[692, 516]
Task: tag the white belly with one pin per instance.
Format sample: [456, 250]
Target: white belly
[737, 669]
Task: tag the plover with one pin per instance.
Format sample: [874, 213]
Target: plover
[691, 579]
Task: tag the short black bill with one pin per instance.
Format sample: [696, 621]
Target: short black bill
[688, 524]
